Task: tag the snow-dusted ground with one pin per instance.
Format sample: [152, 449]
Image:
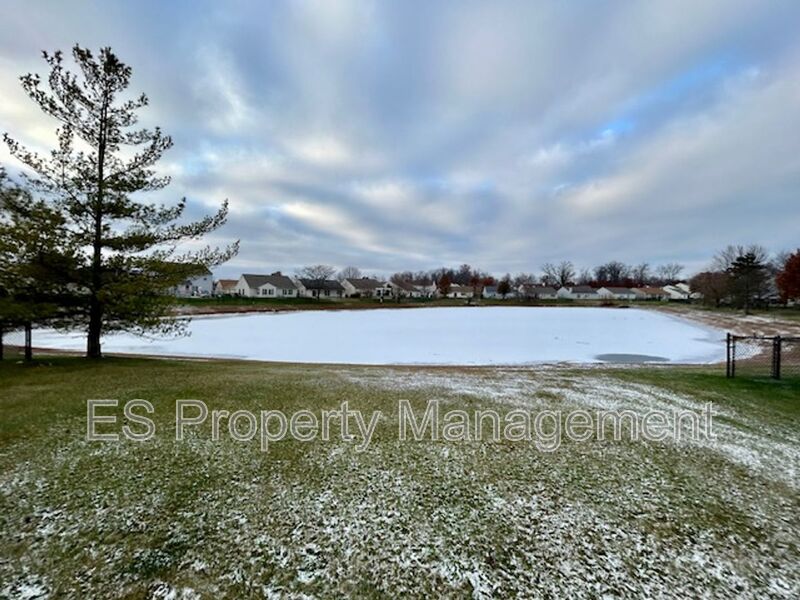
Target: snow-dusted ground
[679, 519]
[444, 336]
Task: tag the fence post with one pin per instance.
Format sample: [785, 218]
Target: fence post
[776, 357]
[28, 342]
[728, 355]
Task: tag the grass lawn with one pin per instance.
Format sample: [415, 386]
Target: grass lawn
[197, 518]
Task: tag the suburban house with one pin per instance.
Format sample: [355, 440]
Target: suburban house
[225, 287]
[384, 291]
[196, 286]
[537, 292]
[616, 293]
[578, 292]
[276, 285]
[362, 287]
[461, 291]
[490, 291]
[327, 288]
[405, 289]
[679, 291]
[428, 290]
[650, 293]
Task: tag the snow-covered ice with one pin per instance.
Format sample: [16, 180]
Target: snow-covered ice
[433, 336]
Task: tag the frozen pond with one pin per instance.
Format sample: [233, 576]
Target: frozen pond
[444, 336]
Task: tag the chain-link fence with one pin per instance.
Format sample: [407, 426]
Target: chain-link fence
[763, 356]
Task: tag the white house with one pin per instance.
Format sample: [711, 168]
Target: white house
[363, 287]
[490, 291]
[679, 291]
[616, 293]
[578, 292]
[461, 291]
[405, 289]
[276, 285]
[225, 287]
[650, 293]
[537, 292]
[428, 290]
[312, 288]
[199, 285]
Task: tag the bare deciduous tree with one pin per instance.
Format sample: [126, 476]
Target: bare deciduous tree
[669, 273]
[725, 258]
[566, 273]
[349, 273]
[549, 274]
[640, 274]
[315, 277]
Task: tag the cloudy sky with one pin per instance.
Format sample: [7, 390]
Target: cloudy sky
[408, 135]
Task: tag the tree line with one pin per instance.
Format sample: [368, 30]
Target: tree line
[739, 276]
[746, 276]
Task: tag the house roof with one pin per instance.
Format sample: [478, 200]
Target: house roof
[227, 283]
[327, 284]
[282, 282]
[582, 289]
[650, 291]
[406, 285]
[364, 283]
[540, 289]
[461, 288]
[619, 290]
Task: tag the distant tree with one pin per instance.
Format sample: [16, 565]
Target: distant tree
[640, 274]
[464, 275]
[747, 276]
[444, 284]
[611, 273]
[524, 279]
[504, 287]
[549, 274]
[477, 283]
[779, 260]
[402, 276]
[128, 257]
[566, 273]
[788, 279]
[714, 286]
[725, 258]
[585, 277]
[423, 278]
[349, 273]
[560, 275]
[669, 273]
[315, 277]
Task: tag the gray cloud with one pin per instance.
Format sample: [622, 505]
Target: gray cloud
[415, 134]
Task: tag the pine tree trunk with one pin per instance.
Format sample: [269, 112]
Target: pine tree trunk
[28, 342]
[93, 349]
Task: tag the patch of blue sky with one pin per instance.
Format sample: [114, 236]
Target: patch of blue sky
[688, 91]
